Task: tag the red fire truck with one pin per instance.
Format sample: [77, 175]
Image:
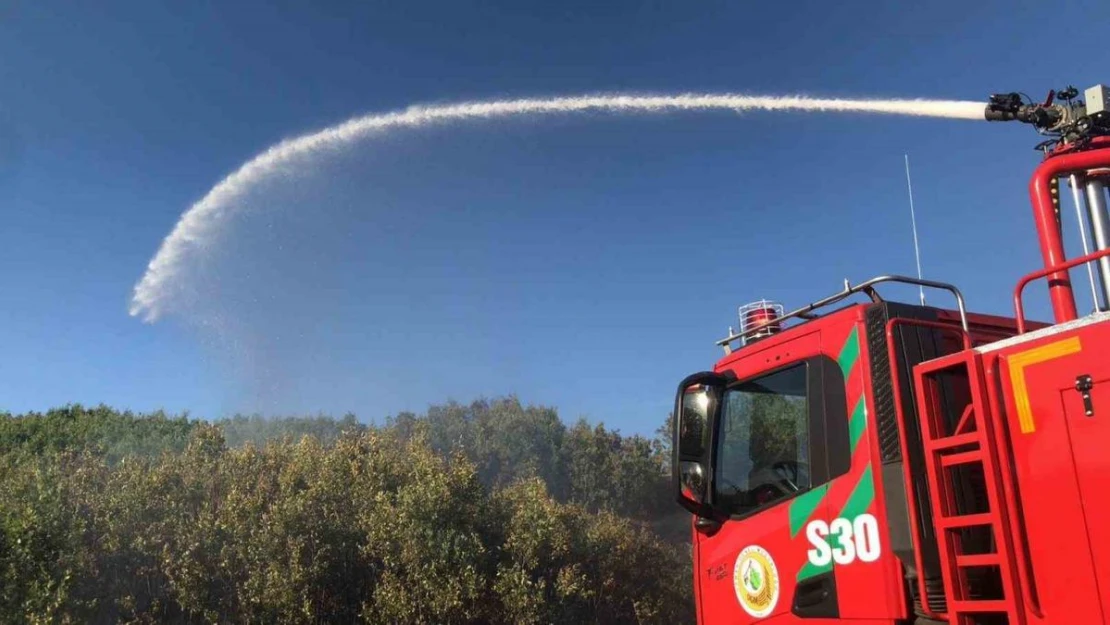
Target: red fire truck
[885, 462]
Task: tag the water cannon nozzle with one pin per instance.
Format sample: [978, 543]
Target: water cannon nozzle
[1003, 107]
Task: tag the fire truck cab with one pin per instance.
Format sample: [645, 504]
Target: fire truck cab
[882, 462]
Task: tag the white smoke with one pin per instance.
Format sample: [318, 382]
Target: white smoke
[195, 229]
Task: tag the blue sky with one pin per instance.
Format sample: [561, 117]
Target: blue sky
[582, 263]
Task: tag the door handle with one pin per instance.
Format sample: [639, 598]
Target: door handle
[1083, 384]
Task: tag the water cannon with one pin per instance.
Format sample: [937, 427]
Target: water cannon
[1062, 115]
[1005, 107]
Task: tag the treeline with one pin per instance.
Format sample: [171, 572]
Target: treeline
[492, 512]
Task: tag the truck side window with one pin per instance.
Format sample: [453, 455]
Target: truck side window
[763, 449]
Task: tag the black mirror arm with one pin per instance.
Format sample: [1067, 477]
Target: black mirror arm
[700, 510]
[707, 526]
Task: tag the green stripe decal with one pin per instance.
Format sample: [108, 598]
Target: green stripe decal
[863, 494]
[860, 499]
[803, 506]
[857, 424]
[849, 354]
[858, 503]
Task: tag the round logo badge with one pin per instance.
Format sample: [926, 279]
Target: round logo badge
[756, 581]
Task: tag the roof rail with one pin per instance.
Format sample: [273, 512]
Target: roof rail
[849, 290]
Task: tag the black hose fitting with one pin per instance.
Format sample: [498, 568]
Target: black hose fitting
[1007, 107]
[1003, 107]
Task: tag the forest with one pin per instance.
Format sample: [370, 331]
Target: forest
[488, 512]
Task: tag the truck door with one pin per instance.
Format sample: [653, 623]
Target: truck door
[781, 438]
[1088, 434]
[1063, 497]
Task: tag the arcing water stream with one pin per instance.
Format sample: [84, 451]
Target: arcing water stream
[203, 220]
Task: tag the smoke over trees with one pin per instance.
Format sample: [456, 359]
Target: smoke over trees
[492, 512]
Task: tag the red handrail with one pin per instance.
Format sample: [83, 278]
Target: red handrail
[1072, 158]
[1019, 308]
[895, 385]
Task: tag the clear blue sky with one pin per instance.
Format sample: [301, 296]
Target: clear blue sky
[587, 264]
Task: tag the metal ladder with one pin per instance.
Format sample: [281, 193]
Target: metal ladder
[946, 387]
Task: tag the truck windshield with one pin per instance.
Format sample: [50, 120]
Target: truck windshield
[763, 446]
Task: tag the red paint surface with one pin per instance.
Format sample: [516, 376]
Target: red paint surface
[1062, 471]
[867, 590]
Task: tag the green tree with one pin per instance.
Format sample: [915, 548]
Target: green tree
[492, 512]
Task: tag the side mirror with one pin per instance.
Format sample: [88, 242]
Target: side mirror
[697, 405]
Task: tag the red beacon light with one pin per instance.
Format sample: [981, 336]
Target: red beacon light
[759, 320]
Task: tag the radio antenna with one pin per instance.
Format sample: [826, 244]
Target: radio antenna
[913, 222]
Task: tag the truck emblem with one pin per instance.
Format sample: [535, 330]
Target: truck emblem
[756, 580]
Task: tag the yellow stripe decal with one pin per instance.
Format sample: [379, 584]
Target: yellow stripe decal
[1018, 363]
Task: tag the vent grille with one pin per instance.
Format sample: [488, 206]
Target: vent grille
[886, 417]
